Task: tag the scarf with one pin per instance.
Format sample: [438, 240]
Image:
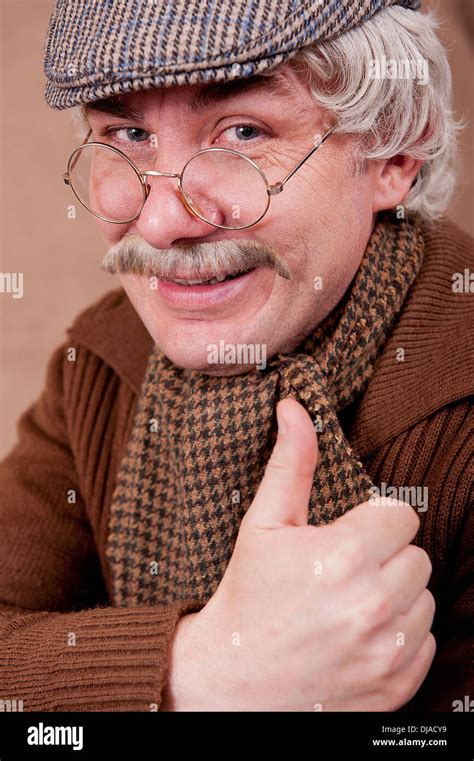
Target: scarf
[200, 443]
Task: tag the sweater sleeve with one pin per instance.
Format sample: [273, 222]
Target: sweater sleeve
[62, 646]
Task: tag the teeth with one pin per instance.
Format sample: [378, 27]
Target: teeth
[218, 279]
[193, 282]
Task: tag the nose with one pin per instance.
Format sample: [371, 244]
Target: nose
[164, 218]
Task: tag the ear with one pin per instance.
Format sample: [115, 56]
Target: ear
[394, 179]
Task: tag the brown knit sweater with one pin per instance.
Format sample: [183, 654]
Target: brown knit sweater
[62, 645]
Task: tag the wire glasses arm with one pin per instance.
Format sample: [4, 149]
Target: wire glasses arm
[277, 187]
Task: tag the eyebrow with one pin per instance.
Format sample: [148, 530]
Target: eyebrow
[275, 85]
[113, 107]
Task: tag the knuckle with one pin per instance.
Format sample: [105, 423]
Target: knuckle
[347, 558]
[284, 464]
[376, 612]
[395, 659]
[379, 668]
[276, 467]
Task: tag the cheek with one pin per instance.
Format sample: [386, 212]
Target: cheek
[311, 206]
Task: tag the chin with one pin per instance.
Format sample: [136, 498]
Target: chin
[214, 352]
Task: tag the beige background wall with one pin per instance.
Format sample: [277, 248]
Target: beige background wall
[58, 256]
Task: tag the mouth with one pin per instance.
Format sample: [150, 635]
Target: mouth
[206, 279]
[208, 291]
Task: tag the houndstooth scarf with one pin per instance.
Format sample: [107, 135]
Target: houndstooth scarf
[200, 443]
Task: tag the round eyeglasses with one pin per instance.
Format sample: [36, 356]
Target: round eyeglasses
[221, 186]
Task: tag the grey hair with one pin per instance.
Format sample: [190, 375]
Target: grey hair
[391, 116]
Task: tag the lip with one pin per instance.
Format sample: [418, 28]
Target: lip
[202, 296]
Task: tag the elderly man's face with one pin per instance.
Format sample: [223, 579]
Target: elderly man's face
[319, 225]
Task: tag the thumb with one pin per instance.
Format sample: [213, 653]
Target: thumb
[283, 495]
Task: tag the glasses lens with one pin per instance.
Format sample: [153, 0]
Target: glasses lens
[225, 188]
[106, 183]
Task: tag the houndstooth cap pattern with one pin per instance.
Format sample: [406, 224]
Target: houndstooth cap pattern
[98, 48]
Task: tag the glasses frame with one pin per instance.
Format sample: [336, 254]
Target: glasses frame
[272, 189]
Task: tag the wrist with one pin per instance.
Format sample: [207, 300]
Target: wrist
[188, 686]
[198, 677]
[177, 688]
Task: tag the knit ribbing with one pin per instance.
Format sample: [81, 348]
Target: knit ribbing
[103, 659]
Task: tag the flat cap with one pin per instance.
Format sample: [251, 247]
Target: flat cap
[98, 48]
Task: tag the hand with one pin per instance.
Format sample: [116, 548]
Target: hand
[332, 618]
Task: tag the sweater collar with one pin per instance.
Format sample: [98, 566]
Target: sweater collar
[427, 362]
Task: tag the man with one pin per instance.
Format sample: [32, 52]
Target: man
[212, 505]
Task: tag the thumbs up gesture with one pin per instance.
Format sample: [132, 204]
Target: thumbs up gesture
[325, 618]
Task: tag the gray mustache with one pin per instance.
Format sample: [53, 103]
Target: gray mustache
[225, 257]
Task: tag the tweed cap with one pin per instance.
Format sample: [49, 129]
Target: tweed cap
[98, 48]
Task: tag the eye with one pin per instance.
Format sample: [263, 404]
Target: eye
[243, 133]
[128, 134]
